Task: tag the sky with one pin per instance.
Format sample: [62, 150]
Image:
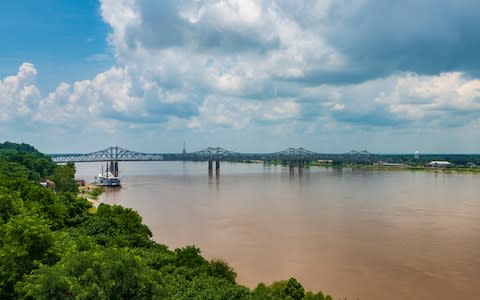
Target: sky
[246, 75]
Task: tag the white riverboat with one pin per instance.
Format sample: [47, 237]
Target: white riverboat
[107, 178]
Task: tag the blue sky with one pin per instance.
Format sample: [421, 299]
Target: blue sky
[331, 76]
[66, 40]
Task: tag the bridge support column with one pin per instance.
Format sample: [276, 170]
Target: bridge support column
[210, 167]
[300, 167]
[292, 167]
[217, 167]
[112, 167]
[115, 169]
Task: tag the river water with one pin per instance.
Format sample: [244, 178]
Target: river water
[350, 233]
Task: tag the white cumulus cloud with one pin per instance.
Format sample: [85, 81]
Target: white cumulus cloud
[276, 66]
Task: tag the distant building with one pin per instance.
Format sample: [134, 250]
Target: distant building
[438, 164]
[387, 164]
[48, 183]
[416, 155]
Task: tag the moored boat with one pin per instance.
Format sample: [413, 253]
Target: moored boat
[107, 178]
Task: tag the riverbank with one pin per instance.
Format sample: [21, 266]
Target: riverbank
[91, 192]
[417, 168]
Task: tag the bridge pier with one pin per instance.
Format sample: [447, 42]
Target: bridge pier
[296, 163]
[112, 167]
[210, 167]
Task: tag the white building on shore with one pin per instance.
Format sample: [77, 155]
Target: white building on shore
[438, 164]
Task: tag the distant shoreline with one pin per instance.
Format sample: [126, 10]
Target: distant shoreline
[424, 169]
[379, 167]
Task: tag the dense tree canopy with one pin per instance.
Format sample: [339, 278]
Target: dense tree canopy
[54, 246]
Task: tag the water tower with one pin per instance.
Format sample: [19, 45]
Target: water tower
[416, 155]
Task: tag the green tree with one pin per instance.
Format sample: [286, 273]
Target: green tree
[262, 292]
[208, 288]
[117, 226]
[11, 171]
[44, 167]
[98, 274]
[64, 178]
[38, 165]
[10, 204]
[220, 268]
[26, 242]
[189, 256]
[76, 208]
[288, 289]
[46, 202]
[317, 296]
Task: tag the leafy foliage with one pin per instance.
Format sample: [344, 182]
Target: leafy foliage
[44, 201]
[26, 243]
[64, 178]
[76, 208]
[117, 226]
[36, 165]
[108, 273]
[220, 268]
[10, 204]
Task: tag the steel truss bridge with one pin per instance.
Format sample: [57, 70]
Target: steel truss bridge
[213, 154]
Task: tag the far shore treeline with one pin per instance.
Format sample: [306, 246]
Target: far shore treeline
[55, 245]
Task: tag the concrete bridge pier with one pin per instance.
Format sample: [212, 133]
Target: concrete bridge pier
[217, 167]
[291, 167]
[300, 167]
[113, 168]
[210, 167]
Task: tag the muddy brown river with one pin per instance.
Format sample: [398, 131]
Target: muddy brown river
[350, 233]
